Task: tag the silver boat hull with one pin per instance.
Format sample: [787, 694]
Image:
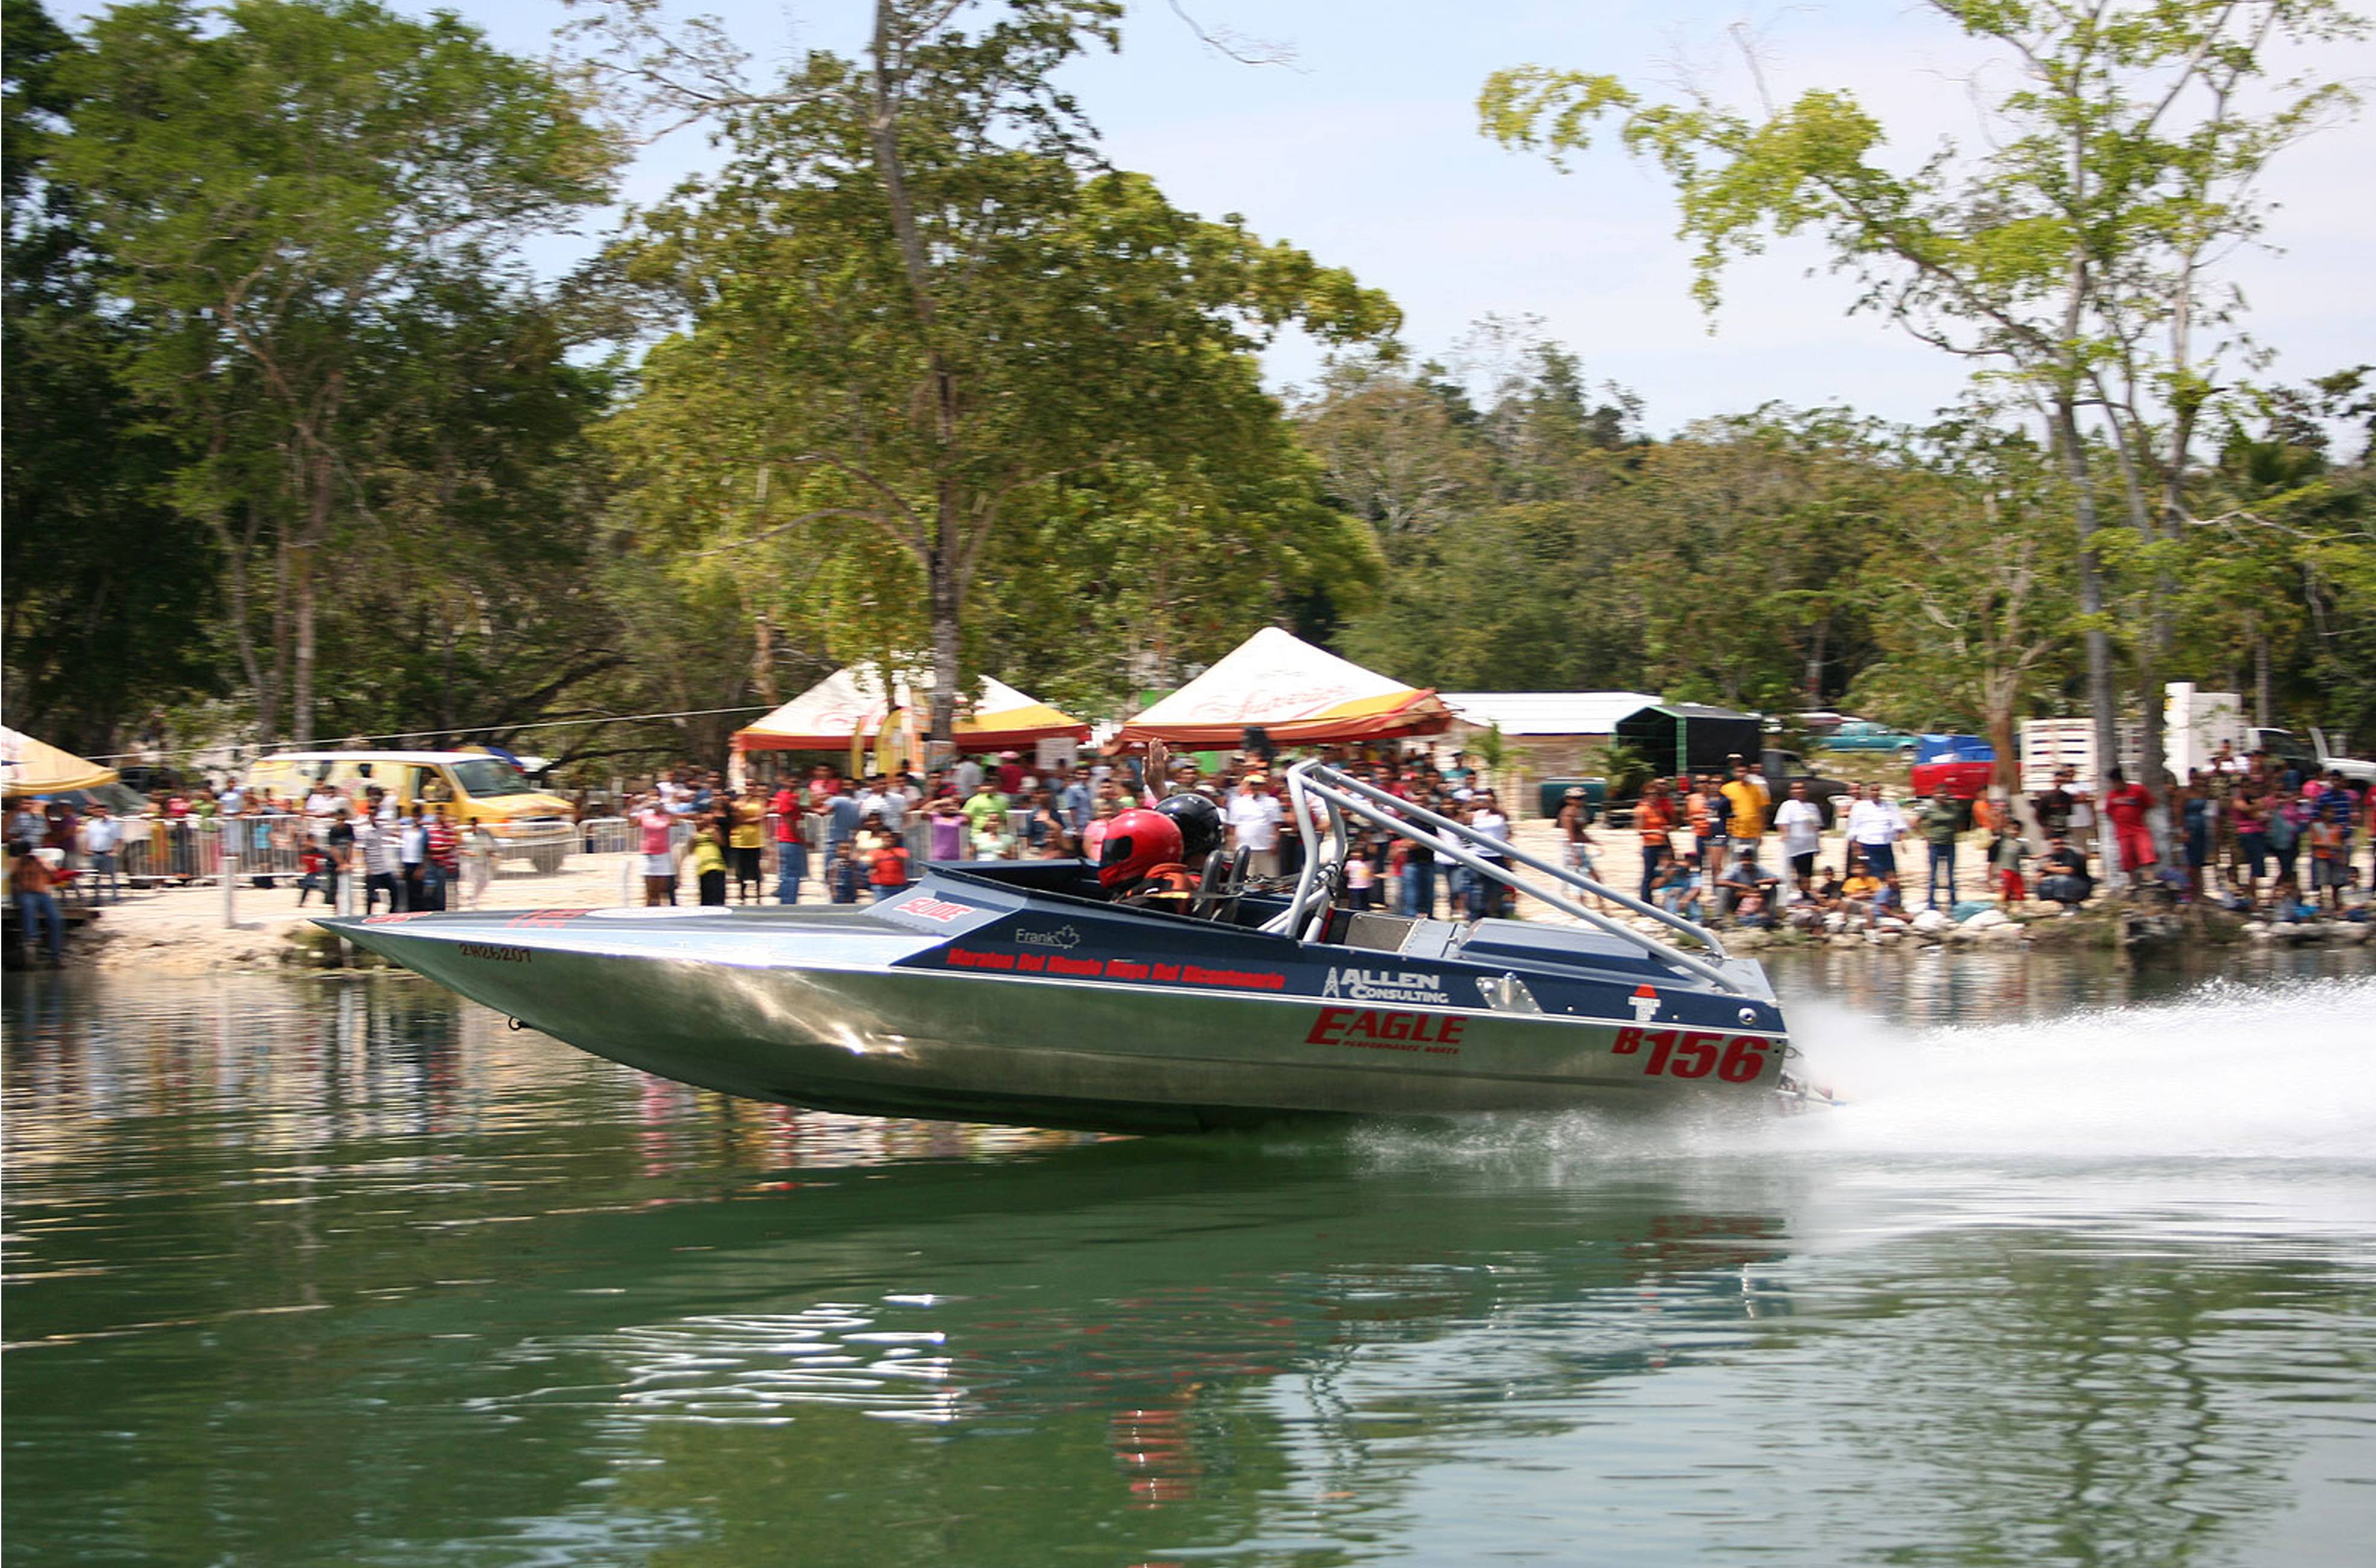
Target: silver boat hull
[821, 1008]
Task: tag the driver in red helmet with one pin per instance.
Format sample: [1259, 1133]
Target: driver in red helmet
[1141, 862]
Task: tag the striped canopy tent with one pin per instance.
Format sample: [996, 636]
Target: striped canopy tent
[1298, 694]
[851, 704]
[36, 767]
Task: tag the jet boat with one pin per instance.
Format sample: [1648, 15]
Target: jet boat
[1015, 991]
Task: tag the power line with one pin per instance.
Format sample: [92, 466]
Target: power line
[480, 730]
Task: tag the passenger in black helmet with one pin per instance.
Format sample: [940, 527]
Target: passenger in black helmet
[1199, 821]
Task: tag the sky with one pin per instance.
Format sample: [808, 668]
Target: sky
[1363, 149]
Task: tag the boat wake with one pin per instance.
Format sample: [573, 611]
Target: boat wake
[2224, 1072]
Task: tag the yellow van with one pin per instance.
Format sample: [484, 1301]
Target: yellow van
[475, 789]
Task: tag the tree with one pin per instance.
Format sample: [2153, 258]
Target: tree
[1969, 585]
[271, 181]
[2119, 167]
[108, 590]
[920, 309]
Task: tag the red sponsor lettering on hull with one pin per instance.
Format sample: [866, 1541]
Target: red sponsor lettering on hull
[1373, 1029]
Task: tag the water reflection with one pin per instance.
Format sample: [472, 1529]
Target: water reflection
[1934, 986]
[347, 1271]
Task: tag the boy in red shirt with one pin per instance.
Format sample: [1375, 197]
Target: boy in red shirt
[888, 870]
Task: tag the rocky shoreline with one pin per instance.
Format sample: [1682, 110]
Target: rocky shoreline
[2111, 924]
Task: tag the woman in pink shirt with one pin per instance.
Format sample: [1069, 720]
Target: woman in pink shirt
[659, 866]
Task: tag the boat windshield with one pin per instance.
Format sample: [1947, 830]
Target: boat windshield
[484, 776]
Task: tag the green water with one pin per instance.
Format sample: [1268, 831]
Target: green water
[320, 1272]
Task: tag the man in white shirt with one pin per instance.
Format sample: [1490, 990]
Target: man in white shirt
[1874, 827]
[1800, 823]
[967, 774]
[1253, 816]
[412, 858]
[323, 806]
[1494, 894]
[878, 797]
[376, 857]
[102, 836]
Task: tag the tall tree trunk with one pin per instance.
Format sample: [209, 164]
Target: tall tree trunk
[763, 657]
[242, 629]
[944, 562]
[2262, 706]
[2076, 472]
[284, 573]
[2005, 773]
[317, 531]
[948, 602]
[2152, 758]
[300, 675]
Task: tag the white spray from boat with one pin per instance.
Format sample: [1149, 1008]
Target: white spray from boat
[2226, 1071]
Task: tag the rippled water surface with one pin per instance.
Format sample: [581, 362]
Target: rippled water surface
[329, 1272]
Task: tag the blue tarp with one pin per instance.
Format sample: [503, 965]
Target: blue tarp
[1953, 748]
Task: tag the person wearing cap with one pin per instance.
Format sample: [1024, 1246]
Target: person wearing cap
[1253, 814]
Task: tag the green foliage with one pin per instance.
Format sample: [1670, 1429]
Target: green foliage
[108, 590]
[2073, 261]
[1629, 769]
[1969, 585]
[924, 318]
[284, 191]
[1538, 544]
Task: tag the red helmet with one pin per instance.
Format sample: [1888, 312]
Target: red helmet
[1137, 841]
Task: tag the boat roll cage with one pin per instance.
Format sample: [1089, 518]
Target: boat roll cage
[1323, 799]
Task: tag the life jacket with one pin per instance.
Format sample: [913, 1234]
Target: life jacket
[1170, 885]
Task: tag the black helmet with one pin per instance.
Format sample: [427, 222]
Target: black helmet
[1200, 824]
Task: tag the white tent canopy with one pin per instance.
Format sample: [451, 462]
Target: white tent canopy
[1299, 693]
[851, 703]
[1547, 713]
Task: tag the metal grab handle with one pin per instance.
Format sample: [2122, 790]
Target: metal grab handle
[1302, 780]
[1399, 807]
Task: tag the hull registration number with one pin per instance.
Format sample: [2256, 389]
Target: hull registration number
[1693, 1054]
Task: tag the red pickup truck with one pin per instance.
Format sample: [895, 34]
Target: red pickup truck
[1957, 780]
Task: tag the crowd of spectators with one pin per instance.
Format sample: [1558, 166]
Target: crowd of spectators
[2253, 834]
[825, 834]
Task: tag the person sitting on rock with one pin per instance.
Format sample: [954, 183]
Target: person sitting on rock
[1748, 889]
[2063, 875]
[1859, 891]
[1676, 887]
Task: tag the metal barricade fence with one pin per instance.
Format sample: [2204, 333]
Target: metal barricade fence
[270, 846]
[169, 850]
[534, 849]
[607, 836]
